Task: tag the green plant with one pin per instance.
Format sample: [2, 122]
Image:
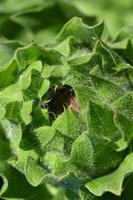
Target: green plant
[87, 152]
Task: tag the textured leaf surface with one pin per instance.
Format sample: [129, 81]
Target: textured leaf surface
[112, 182]
[57, 158]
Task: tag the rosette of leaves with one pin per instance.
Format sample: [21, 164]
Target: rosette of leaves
[76, 155]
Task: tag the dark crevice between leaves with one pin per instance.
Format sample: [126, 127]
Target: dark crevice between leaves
[1, 182]
[60, 98]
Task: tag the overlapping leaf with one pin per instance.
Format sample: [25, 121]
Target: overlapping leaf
[76, 147]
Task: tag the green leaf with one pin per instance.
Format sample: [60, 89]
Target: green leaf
[12, 178]
[69, 124]
[82, 151]
[124, 105]
[25, 77]
[113, 181]
[13, 89]
[26, 111]
[107, 155]
[100, 122]
[44, 134]
[44, 88]
[35, 174]
[26, 55]
[55, 159]
[12, 133]
[64, 47]
[54, 162]
[9, 74]
[75, 27]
